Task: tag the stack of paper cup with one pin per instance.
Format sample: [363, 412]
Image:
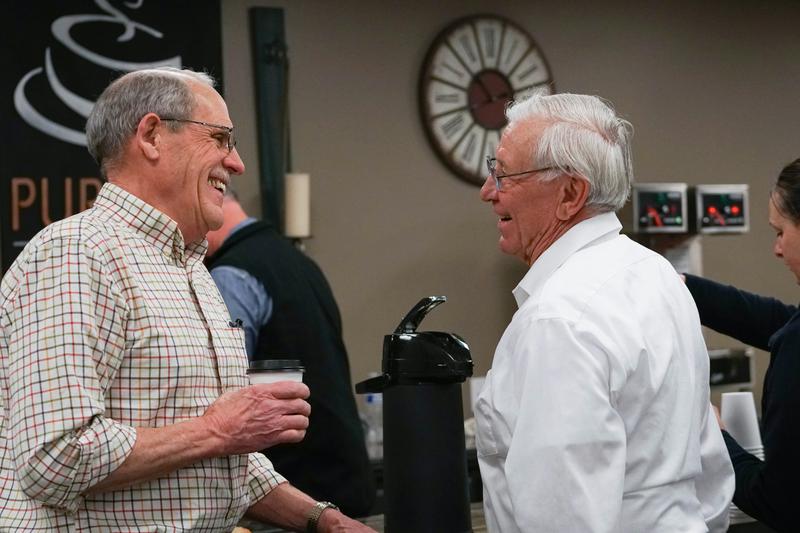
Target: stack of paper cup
[739, 416]
[738, 413]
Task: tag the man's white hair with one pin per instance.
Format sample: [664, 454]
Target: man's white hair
[583, 137]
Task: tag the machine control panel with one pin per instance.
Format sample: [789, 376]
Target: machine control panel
[660, 208]
[722, 208]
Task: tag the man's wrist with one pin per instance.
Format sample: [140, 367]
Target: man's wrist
[312, 523]
[201, 436]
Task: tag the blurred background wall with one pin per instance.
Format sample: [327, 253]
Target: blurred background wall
[711, 88]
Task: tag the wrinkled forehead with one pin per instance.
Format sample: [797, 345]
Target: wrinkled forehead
[210, 105]
[522, 137]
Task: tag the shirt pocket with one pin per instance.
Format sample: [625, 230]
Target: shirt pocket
[486, 423]
[231, 356]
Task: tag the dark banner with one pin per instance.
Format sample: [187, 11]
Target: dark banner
[57, 58]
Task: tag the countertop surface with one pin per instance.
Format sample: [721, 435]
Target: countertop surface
[478, 524]
[375, 522]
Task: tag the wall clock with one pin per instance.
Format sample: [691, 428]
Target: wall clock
[471, 71]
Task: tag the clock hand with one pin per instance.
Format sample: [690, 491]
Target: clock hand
[491, 100]
[483, 87]
[500, 96]
[479, 105]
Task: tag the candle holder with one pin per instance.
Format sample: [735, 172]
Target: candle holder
[297, 208]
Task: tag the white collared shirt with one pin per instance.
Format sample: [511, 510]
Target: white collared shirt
[595, 415]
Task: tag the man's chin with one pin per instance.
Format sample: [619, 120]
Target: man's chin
[213, 217]
[507, 248]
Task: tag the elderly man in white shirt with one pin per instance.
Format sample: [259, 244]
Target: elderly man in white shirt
[595, 415]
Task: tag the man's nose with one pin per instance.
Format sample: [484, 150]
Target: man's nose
[488, 189]
[233, 162]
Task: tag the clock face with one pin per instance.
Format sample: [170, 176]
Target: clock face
[472, 70]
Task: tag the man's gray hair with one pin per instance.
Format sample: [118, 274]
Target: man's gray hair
[164, 91]
[583, 137]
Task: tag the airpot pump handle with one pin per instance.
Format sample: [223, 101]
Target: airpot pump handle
[411, 321]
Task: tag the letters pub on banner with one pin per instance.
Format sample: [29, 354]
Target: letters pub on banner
[57, 58]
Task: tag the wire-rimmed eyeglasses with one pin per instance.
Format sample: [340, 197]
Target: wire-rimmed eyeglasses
[228, 142]
[491, 165]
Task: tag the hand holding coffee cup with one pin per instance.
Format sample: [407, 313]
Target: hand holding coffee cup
[257, 417]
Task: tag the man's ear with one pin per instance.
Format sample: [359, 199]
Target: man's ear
[574, 192]
[149, 136]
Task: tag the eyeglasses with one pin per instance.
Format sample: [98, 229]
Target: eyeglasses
[228, 141]
[491, 165]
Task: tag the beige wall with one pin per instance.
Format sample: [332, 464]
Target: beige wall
[711, 88]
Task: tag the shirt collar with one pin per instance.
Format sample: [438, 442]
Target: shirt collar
[116, 204]
[241, 225]
[599, 227]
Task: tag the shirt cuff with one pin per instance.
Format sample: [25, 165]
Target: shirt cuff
[261, 477]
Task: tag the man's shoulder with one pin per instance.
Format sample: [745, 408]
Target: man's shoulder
[78, 239]
[262, 231]
[597, 273]
[229, 276]
[274, 248]
[85, 227]
[78, 233]
[599, 262]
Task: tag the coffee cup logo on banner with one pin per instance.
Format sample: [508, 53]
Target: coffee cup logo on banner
[64, 55]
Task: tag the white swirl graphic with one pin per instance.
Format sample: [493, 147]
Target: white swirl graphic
[61, 32]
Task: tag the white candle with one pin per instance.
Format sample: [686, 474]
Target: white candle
[297, 205]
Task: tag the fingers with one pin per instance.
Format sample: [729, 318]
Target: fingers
[290, 436]
[291, 397]
[288, 429]
[720, 423]
[295, 422]
[298, 406]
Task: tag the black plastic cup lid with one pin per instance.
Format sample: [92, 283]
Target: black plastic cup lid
[276, 365]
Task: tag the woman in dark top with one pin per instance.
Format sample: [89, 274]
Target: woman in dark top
[768, 490]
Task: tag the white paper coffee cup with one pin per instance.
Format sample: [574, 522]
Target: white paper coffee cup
[738, 413]
[274, 370]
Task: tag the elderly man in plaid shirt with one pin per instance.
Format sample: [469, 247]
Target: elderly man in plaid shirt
[124, 403]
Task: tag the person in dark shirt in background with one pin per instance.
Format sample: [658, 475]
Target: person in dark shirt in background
[767, 490]
[288, 312]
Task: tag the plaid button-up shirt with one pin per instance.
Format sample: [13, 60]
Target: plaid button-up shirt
[109, 322]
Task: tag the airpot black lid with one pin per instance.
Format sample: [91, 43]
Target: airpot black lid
[418, 357]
